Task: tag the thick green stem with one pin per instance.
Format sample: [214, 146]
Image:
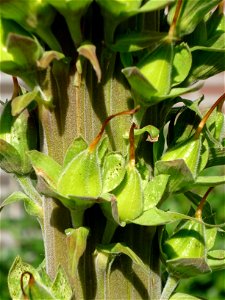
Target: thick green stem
[109, 231]
[73, 23]
[170, 286]
[77, 217]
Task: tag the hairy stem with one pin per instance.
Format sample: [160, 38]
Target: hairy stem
[170, 286]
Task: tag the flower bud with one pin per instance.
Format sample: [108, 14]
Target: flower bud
[185, 251]
[17, 135]
[35, 16]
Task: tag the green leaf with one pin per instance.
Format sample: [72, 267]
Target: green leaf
[182, 296]
[152, 5]
[121, 248]
[113, 171]
[216, 259]
[135, 41]
[45, 167]
[19, 103]
[219, 125]
[210, 237]
[177, 91]
[215, 23]
[77, 146]
[156, 217]
[48, 57]
[181, 64]
[182, 126]
[24, 137]
[152, 131]
[61, 287]
[180, 174]
[192, 12]
[216, 157]
[205, 64]
[209, 180]
[82, 176]
[77, 241]
[89, 51]
[215, 44]
[154, 191]
[17, 269]
[6, 122]
[31, 207]
[10, 160]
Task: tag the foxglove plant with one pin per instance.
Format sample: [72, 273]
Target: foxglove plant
[98, 144]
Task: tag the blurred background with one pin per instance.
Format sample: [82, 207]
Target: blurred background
[20, 234]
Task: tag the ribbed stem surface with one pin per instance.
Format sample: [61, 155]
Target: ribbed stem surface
[81, 105]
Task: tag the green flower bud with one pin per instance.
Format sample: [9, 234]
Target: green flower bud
[189, 151]
[151, 79]
[157, 67]
[185, 251]
[17, 135]
[19, 51]
[129, 196]
[35, 16]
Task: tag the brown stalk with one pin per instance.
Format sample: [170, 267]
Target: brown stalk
[175, 18]
[98, 137]
[30, 282]
[218, 103]
[198, 213]
[16, 88]
[132, 147]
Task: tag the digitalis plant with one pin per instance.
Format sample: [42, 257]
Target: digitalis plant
[99, 144]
